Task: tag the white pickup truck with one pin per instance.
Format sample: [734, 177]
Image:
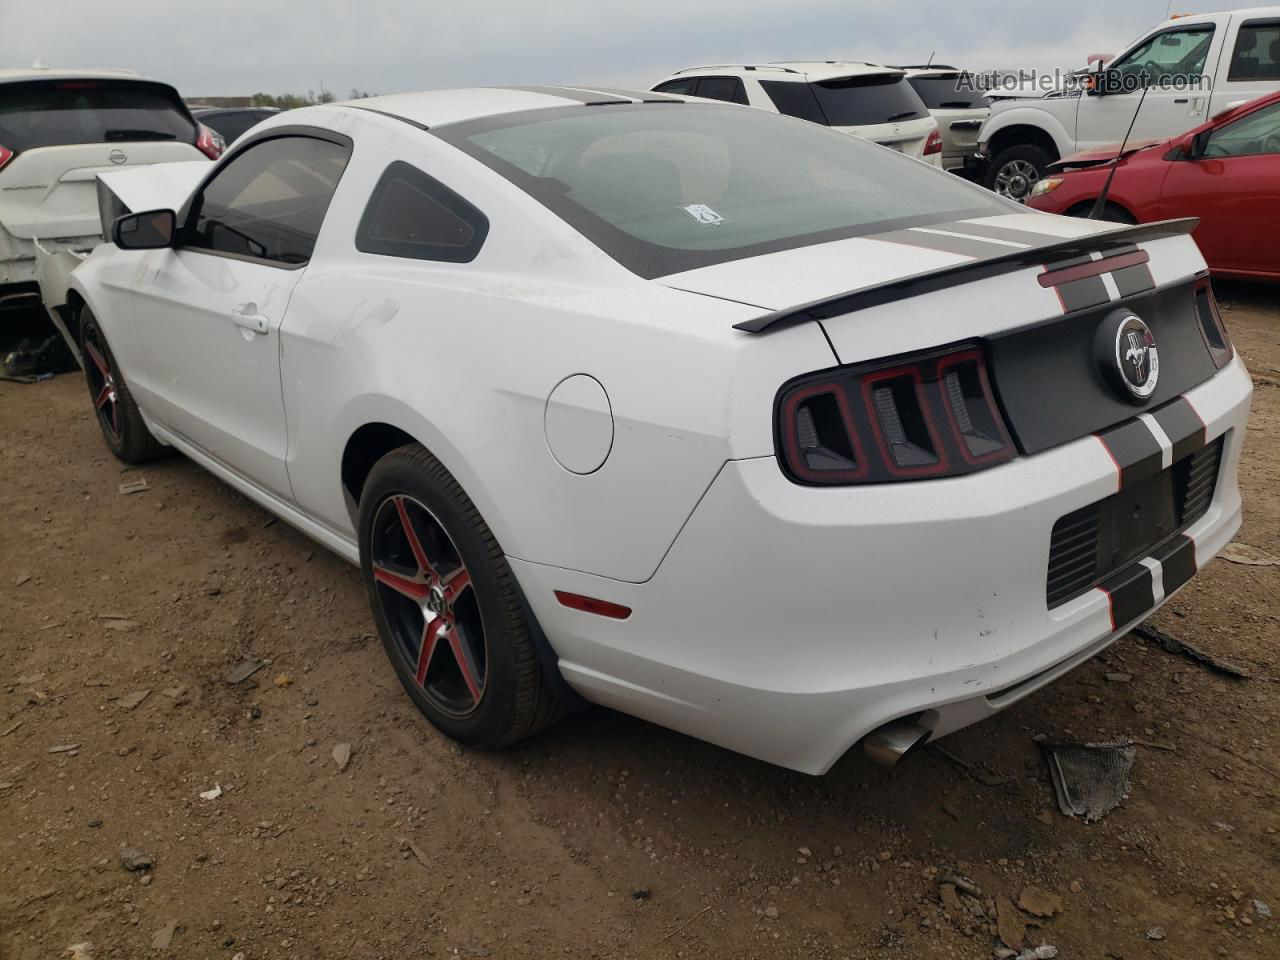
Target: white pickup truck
[1237, 53]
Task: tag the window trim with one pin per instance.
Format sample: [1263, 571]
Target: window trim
[1259, 23]
[187, 215]
[449, 199]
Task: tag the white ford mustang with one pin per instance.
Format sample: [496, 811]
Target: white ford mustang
[713, 416]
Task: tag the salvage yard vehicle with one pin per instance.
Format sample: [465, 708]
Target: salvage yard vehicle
[1225, 172]
[58, 130]
[712, 416]
[231, 123]
[865, 99]
[1236, 52]
[954, 100]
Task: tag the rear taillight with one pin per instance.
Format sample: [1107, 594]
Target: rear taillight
[208, 142]
[933, 144]
[1211, 325]
[927, 415]
[5, 156]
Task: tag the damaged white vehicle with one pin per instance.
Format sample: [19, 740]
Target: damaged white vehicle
[58, 130]
[717, 417]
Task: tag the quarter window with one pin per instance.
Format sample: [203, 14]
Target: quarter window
[1257, 52]
[269, 201]
[794, 99]
[416, 216]
[682, 86]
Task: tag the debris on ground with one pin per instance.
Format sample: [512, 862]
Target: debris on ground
[132, 700]
[1039, 902]
[1010, 924]
[134, 486]
[963, 885]
[1247, 555]
[411, 847]
[71, 748]
[283, 680]
[80, 951]
[163, 937]
[118, 623]
[971, 770]
[1155, 933]
[342, 755]
[1172, 644]
[1261, 909]
[21, 579]
[243, 671]
[11, 728]
[213, 794]
[1090, 779]
[135, 861]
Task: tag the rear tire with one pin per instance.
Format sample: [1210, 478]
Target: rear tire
[447, 605]
[117, 412]
[1014, 171]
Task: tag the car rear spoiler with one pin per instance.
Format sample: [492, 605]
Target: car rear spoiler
[944, 278]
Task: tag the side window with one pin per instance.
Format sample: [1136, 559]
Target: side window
[1257, 52]
[794, 99]
[683, 86]
[1174, 53]
[269, 201]
[1258, 133]
[416, 216]
[729, 89]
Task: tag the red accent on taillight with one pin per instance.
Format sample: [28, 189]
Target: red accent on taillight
[931, 414]
[5, 156]
[601, 608]
[206, 143]
[933, 144]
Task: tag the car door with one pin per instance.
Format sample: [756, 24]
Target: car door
[1173, 60]
[1234, 188]
[1253, 68]
[208, 311]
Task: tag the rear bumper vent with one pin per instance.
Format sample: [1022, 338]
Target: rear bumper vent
[1089, 544]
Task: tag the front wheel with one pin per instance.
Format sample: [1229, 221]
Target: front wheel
[447, 606]
[1015, 171]
[118, 416]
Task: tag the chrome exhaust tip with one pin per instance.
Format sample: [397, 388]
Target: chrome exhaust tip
[889, 744]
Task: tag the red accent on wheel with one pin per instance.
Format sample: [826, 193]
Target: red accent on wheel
[464, 665]
[430, 635]
[424, 565]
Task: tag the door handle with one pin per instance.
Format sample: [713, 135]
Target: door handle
[1182, 100]
[247, 317]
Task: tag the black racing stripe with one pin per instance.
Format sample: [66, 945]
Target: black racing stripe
[1135, 451]
[934, 241]
[1182, 425]
[1178, 558]
[1083, 294]
[1132, 594]
[1011, 234]
[565, 93]
[1131, 281]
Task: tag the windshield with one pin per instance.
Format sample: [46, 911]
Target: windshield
[951, 91]
[47, 113]
[669, 187]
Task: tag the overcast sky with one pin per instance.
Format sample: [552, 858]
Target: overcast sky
[235, 47]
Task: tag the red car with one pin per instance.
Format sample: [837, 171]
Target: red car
[1226, 172]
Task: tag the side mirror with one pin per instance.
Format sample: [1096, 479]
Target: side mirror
[152, 230]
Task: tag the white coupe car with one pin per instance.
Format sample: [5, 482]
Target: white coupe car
[714, 416]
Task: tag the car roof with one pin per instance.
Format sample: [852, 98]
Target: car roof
[1245, 13]
[434, 108]
[800, 71]
[937, 70]
[14, 74]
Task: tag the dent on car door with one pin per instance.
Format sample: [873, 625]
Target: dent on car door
[209, 317]
[1234, 188]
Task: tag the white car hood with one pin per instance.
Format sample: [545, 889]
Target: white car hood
[162, 186]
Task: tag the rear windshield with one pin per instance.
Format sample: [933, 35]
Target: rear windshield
[47, 113]
[851, 101]
[669, 187]
[952, 91]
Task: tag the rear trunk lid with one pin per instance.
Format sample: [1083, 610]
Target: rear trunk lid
[51, 192]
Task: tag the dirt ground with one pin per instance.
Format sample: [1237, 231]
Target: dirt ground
[605, 836]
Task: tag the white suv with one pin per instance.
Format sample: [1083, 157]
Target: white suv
[957, 104]
[866, 99]
[58, 130]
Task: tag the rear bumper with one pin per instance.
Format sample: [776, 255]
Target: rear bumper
[788, 622]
